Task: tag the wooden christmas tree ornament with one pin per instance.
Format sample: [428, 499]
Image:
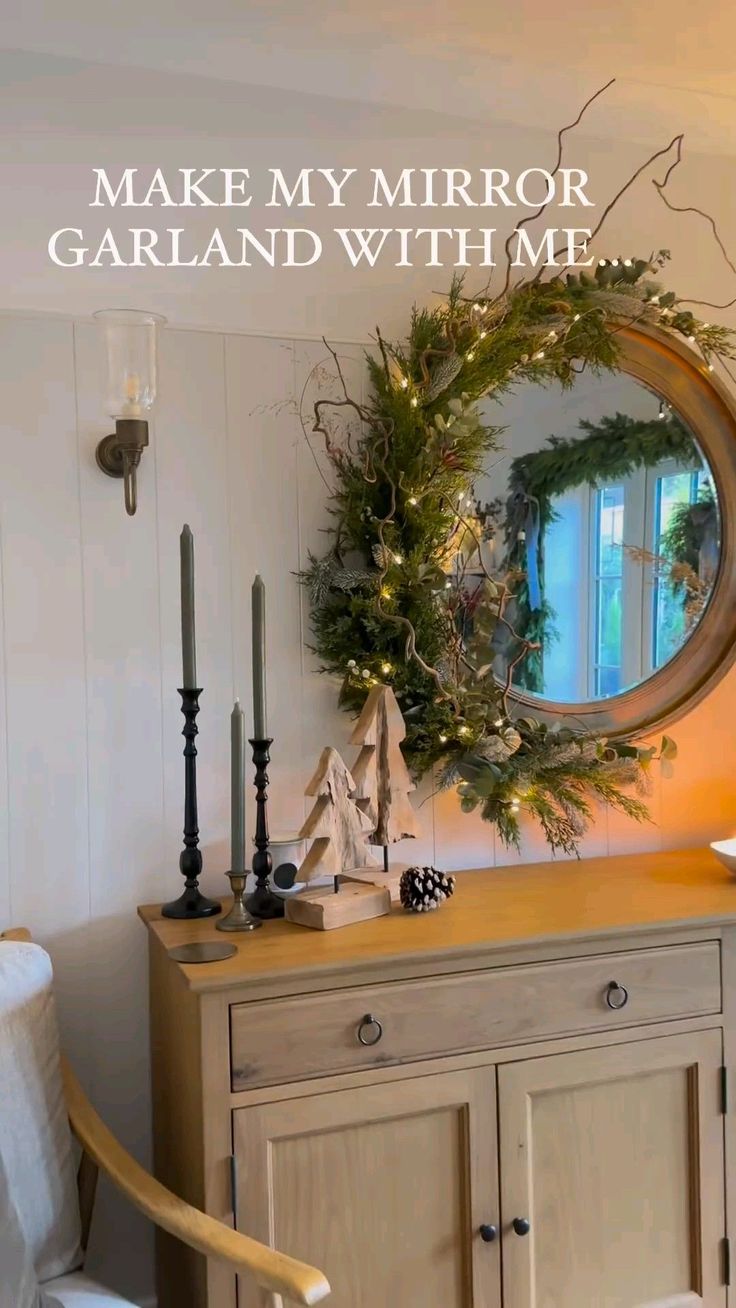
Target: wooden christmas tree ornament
[383, 782]
[338, 830]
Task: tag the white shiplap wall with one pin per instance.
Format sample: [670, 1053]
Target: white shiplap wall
[90, 746]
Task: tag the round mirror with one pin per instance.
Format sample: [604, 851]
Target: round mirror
[609, 513]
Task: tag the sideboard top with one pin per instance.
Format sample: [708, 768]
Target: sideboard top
[492, 909]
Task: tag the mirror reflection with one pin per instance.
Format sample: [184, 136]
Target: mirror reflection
[606, 530]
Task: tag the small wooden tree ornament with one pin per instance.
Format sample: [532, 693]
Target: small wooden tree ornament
[338, 831]
[382, 780]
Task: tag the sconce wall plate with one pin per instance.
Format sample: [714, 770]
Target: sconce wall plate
[119, 454]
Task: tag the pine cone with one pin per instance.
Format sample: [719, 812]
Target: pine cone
[424, 888]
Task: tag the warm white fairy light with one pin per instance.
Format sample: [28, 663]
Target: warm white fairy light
[539, 354]
[552, 336]
[463, 730]
[404, 384]
[483, 335]
[614, 263]
[711, 368]
[576, 318]
[602, 263]
[470, 356]
[413, 500]
[498, 722]
[628, 263]
[398, 558]
[352, 664]
[386, 592]
[691, 339]
[366, 674]
[385, 668]
[414, 401]
[442, 740]
[654, 299]
[448, 585]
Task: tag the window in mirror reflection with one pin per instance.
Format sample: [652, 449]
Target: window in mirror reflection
[609, 527]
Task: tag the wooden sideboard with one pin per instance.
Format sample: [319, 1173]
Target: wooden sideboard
[521, 1100]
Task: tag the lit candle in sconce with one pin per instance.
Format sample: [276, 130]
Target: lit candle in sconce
[132, 408]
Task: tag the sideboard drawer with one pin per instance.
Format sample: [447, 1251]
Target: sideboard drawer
[294, 1039]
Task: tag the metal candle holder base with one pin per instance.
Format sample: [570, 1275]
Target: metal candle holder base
[262, 903]
[238, 919]
[191, 903]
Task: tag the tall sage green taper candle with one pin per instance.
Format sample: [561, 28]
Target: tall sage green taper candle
[258, 603]
[237, 789]
[188, 644]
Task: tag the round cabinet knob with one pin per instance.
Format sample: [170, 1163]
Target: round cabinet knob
[522, 1225]
[617, 996]
[370, 1030]
[488, 1233]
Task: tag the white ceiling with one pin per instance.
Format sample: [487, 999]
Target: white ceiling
[525, 61]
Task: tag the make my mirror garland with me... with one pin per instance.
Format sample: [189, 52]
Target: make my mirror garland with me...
[301, 247]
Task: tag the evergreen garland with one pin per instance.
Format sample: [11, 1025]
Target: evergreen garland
[384, 606]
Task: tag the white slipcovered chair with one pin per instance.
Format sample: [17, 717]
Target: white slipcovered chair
[45, 1213]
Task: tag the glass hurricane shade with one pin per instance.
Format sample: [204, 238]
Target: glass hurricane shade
[131, 341]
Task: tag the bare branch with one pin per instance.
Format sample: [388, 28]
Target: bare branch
[692, 208]
[532, 217]
[313, 372]
[658, 154]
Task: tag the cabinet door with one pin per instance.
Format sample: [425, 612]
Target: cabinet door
[615, 1158]
[384, 1188]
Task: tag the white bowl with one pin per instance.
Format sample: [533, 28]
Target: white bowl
[725, 852]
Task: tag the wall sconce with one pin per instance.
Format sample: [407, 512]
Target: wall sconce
[131, 341]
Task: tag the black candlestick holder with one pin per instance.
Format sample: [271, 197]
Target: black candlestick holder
[262, 902]
[191, 902]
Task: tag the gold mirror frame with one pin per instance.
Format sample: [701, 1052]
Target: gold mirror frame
[680, 376]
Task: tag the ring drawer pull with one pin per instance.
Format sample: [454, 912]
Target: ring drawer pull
[364, 1029]
[617, 996]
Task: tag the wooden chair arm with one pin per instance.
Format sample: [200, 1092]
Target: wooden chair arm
[272, 1270]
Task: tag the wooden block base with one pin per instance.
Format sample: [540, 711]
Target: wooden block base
[375, 876]
[324, 910]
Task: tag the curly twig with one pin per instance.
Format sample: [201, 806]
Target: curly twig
[532, 217]
[660, 188]
[506, 594]
[658, 154]
[312, 373]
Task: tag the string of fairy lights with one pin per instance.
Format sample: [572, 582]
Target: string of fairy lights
[372, 669]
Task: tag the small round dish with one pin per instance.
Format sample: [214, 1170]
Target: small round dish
[725, 852]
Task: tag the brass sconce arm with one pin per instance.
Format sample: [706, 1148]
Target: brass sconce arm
[119, 454]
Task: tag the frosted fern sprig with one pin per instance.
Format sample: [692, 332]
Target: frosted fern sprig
[442, 376]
